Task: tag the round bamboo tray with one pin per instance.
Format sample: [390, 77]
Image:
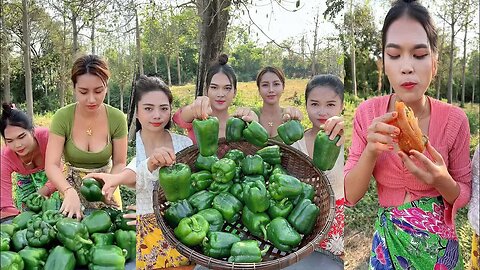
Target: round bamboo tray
[298, 165]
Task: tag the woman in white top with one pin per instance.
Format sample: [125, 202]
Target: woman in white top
[324, 101]
[473, 209]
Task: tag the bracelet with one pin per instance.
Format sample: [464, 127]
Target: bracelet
[65, 190]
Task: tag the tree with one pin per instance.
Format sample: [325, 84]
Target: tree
[214, 15]
[466, 23]
[26, 57]
[5, 48]
[453, 15]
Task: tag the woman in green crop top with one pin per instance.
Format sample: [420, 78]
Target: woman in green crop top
[91, 136]
[271, 83]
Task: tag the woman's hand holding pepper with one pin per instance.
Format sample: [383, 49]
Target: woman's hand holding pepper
[161, 157]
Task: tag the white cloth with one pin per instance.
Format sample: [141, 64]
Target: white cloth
[145, 178]
[132, 165]
[473, 209]
[335, 175]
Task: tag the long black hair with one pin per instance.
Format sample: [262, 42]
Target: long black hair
[146, 84]
[221, 66]
[14, 117]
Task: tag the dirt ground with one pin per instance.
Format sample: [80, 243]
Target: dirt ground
[357, 250]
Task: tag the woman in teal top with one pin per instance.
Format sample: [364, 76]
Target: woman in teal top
[271, 83]
[91, 136]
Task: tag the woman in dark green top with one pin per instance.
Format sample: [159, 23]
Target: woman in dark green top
[271, 83]
[90, 135]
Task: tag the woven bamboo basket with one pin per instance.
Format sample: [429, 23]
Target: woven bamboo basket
[298, 165]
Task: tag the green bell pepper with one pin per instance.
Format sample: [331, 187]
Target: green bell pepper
[267, 170]
[278, 169]
[280, 208]
[121, 222]
[282, 235]
[22, 219]
[238, 175]
[10, 229]
[107, 257]
[52, 203]
[40, 234]
[308, 192]
[34, 218]
[290, 131]
[214, 218]
[177, 211]
[11, 261]
[201, 180]
[218, 244]
[19, 240]
[4, 241]
[252, 165]
[223, 171]
[34, 258]
[60, 258]
[102, 239]
[91, 190]
[246, 251]
[201, 200]
[283, 186]
[34, 202]
[270, 154]
[192, 230]
[237, 190]
[51, 217]
[235, 155]
[218, 187]
[228, 205]
[325, 151]
[83, 256]
[175, 181]
[127, 240]
[73, 234]
[112, 212]
[206, 133]
[304, 216]
[253, 178]
[235, 127]
[255, 222]
[255, 134]
[97, 222]
[205, 163]
[256, 196]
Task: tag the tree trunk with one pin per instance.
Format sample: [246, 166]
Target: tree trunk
[169, 75]
[155, 64]
[26, 58]
[352, 51]
[131, 129]
[108, 97]
[92, 34]
[139, 47]
[440, 58]
[473, 92]
[214, 16]
[179, 69]
[315, 44]
[379, 63]
[450, 67]
[5, 60]
[75, 35]
[121, 97]
[462, 103]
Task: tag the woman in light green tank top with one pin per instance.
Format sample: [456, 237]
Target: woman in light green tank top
[90, 135]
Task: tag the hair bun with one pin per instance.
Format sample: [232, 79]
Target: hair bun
[223, 59]
[7, 109]
[409, 1]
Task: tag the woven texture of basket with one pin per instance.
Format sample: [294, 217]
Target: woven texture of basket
[297, 164]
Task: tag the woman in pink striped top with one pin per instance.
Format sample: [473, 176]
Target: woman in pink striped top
[419, 193]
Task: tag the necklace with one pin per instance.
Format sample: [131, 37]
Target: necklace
[421, 116]
[89, 129]
[270, 124]
[29, 163]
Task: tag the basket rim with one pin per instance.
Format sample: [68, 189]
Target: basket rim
[284, 261]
